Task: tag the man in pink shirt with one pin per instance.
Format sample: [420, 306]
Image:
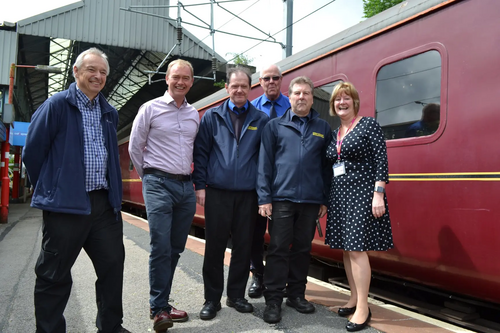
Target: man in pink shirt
[161, 148]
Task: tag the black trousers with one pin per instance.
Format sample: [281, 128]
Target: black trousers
[228, 213]
[64, 235]
[292, 230]
[257, 251]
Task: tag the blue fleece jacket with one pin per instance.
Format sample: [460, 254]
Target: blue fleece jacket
[54, 155]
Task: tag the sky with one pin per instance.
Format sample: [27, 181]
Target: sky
[327, 17]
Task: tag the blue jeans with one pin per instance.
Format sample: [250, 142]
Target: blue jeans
[170, 205]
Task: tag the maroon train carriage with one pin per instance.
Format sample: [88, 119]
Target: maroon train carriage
[444, 184]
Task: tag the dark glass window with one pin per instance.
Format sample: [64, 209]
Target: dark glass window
[130, 166]
[321, 103]
[408, 96]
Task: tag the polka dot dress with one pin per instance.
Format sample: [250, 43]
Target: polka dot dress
[350, 224]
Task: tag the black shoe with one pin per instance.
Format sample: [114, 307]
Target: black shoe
[353, 327]
[240, 304]
[257, 286]
[300, 304]
[209, 310]
[124, 330]
[344, 312]
[272, 313]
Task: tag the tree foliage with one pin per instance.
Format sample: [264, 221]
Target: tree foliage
[240, 59]
[373, 7]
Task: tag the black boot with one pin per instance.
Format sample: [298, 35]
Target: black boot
[257, 286]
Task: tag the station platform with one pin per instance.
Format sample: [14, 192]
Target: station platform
[20, 241]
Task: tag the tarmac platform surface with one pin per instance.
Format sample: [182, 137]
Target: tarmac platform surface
[20, 242]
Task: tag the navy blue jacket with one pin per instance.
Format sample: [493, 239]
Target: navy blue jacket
[293, 166]
[219, 160]
[54, 155]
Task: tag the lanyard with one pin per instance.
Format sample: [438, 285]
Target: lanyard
[339, 142]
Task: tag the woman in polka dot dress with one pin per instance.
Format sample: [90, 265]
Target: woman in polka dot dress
[358, 214]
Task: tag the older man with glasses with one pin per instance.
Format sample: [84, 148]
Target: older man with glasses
[274, 104]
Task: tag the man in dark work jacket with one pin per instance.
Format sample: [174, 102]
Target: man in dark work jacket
[226, 151]
[292, 184]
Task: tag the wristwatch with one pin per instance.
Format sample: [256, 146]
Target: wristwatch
[379, 189]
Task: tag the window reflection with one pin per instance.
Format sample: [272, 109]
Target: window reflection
[321, 103]
[404, 89]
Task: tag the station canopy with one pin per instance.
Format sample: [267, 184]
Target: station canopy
[139, 44]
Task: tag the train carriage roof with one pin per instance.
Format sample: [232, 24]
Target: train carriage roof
[370, 27]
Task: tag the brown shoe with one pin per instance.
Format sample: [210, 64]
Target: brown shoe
[178, 315]
[162, 321]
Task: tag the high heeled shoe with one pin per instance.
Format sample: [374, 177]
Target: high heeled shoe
[344, 312]
[353, 327]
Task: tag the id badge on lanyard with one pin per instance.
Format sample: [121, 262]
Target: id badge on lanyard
[339, 167]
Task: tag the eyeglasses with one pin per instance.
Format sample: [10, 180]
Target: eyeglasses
[268, 78]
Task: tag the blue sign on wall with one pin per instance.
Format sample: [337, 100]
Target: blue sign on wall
[18, 133]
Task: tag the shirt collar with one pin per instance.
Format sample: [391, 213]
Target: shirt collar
[276, 101]
[85, 100]
[303, 119]
[231, 106]
[169, 99]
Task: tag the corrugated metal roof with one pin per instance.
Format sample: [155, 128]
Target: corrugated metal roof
[103, 22]
[8, 51]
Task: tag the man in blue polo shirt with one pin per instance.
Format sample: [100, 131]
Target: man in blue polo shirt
[274, 104]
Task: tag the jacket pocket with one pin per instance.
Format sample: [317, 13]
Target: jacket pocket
[52, 192]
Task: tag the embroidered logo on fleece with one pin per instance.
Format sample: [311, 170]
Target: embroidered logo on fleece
[318, 134]
[252, 128]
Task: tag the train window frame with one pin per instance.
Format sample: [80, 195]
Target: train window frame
[440, 48]
[332, 120]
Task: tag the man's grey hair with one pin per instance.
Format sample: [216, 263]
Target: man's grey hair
[300, 80]
[269, 66]
[94, 51]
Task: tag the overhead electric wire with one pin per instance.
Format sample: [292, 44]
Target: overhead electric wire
[254, 46]
[285, 28]
[231, 19]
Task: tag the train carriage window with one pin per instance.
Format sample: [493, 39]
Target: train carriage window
[408, 96]
[322, 103]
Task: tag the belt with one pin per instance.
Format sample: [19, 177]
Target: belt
[159, 173]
